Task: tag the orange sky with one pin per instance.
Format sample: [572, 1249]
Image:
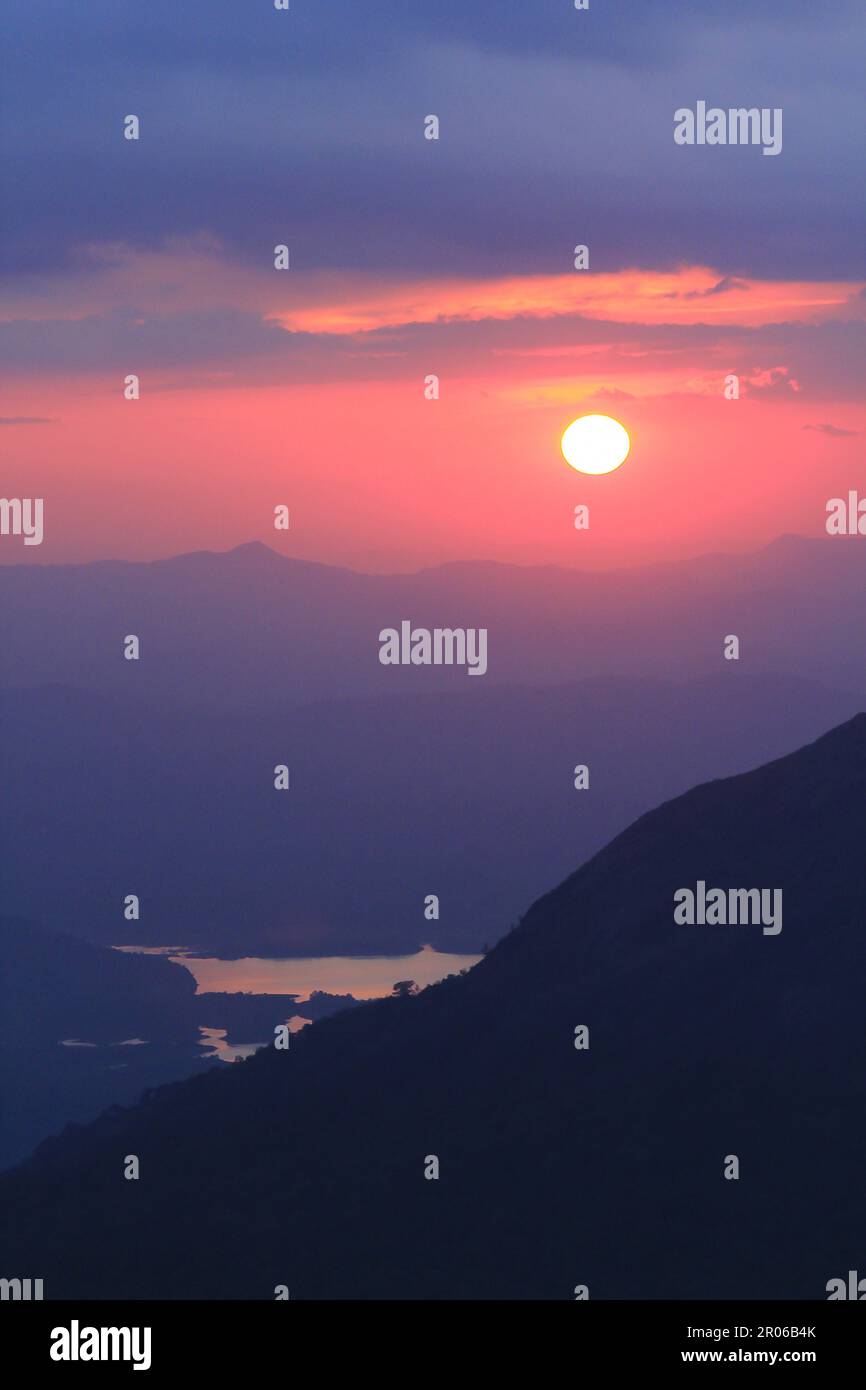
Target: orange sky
[376, 476]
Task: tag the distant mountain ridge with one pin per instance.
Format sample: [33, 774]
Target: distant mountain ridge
[392, 798]
[558, 1166]
[224, 628]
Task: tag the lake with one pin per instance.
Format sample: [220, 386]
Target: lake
[364, 977]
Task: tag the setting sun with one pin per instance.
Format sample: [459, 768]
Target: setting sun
[595, 444]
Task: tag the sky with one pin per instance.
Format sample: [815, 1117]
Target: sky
[411, 257]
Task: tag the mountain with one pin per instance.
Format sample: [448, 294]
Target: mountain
[391, 799]
[559, 1166]
[250, 625]
[81, 1028]
[156, 777]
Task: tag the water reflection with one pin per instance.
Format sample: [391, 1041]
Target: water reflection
[216, 1039]
[364, 977]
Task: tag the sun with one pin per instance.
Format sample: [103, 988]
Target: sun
[595, 444]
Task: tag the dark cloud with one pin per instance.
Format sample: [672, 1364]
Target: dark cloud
[305, 126]
[342, 34]
[834, 431]
[723, 286]
[825, 360]
[613, 393]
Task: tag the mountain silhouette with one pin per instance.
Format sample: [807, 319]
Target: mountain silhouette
[249, 624]
[559, 1167]
[55, 990]
[179, 806]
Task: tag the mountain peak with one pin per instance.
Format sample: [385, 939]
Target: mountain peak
[698, 1039]
[252, 550]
